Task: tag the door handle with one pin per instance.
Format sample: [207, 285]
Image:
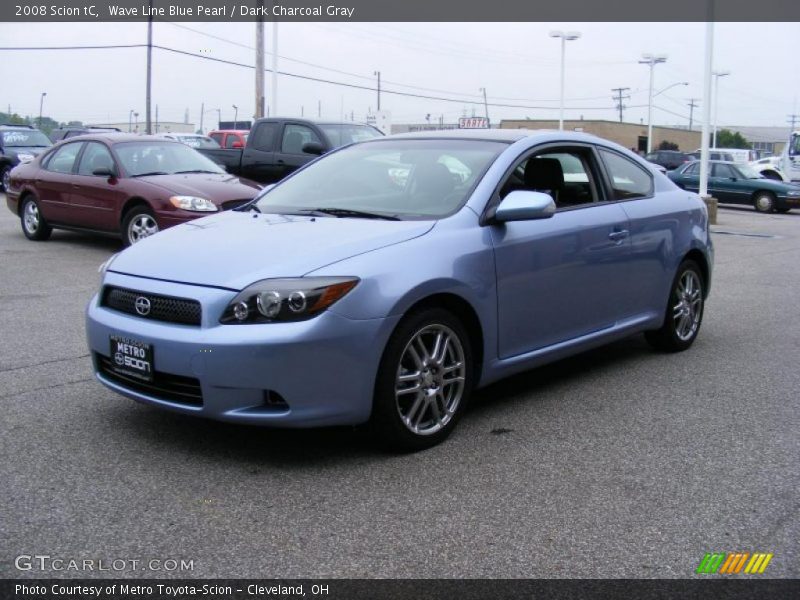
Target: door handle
[280, 162]
[618, 236]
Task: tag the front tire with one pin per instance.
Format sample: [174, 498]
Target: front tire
[684, 312]
[764, 202]
[424, 381]
[33, 222]
[139, 223]
[5, 178]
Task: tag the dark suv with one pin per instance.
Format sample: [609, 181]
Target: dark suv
[63, 133]
[19, 143]
[669, 159]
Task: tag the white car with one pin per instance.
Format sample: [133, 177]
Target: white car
[193, 140]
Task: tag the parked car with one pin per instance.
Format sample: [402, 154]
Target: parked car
[122, 184]
[714, 155]
[669, 159]
[193, 140]
[19, 144]
[230, 138]
[733, 183]
[385, 281]
[62, 133]
[277, 147]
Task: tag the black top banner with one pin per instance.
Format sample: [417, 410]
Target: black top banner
[402, 10]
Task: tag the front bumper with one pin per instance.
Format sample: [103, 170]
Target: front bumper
[323, 368]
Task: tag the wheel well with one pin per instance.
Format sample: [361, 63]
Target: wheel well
[132, 203]
[701, 261]
[468, 317]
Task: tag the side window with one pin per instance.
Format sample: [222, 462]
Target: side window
[217, 137]
[722, 171]
[628, 180]
[295, 136]
[565, 174]
[264, 137]
[692, 169]
[63, 159]
[96, 156]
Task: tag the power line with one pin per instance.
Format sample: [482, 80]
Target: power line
[477, 102]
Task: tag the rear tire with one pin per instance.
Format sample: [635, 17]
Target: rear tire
[33, 222]
[684, 312]
[424, 381]
[764, 202]
[138, 224]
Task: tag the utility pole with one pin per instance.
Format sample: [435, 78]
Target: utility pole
[692, 105]
[485, 106]
[156, 118]
[619, 98]
[378, 73]
[260, 67]
[202, 112]
[793, 119]
[319, 109]
[219, 118]
[149, 126]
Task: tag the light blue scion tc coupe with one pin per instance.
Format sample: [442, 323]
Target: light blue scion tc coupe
[385, 281]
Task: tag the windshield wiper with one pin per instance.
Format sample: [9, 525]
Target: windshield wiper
[197, 171]
[347, 212]
[150, 173]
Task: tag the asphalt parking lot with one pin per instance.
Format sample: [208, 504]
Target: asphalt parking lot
[618, 463]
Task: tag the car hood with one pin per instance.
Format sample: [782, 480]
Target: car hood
[234, 249]
[217, 187]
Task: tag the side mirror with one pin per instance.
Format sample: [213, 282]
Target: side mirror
[237, 145]
[104, 172]
[313, 148]
[521, 205]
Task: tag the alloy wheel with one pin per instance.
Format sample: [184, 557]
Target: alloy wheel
[430, 379]
[689, 306]
[140, 227]
[31, 218]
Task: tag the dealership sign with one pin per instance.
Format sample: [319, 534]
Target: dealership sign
[473, 123]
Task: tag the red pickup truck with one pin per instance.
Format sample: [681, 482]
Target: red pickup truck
[230, 138]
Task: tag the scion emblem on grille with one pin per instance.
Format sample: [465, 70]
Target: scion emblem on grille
[142, 305]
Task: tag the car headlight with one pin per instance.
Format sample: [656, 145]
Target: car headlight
[193, 203]
[294, 299]
[25, 157]
[104, 267]
[793, 193]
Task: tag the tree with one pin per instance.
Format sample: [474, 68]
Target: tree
[667, 145]
[729, 139]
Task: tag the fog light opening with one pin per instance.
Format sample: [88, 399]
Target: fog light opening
[274, 400]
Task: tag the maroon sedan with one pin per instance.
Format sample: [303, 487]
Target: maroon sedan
[118, 183]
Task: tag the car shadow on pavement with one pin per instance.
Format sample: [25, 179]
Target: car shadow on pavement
[89, 240]
[312, 448]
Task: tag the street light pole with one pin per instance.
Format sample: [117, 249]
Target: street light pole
[567, 36]
[652, 61]
[130, 121]
[717, 75]
[235, 117]
[41, 105]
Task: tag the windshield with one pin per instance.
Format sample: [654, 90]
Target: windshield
[749, 172]
[341, 135]
[794, 145]
[408, 178]
[197, 141]
[25, 137]
[162, 158]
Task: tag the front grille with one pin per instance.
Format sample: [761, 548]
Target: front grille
[230, 204]
[165, 386]
[162, 308]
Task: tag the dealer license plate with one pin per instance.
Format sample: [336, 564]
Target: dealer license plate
[132, 358]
